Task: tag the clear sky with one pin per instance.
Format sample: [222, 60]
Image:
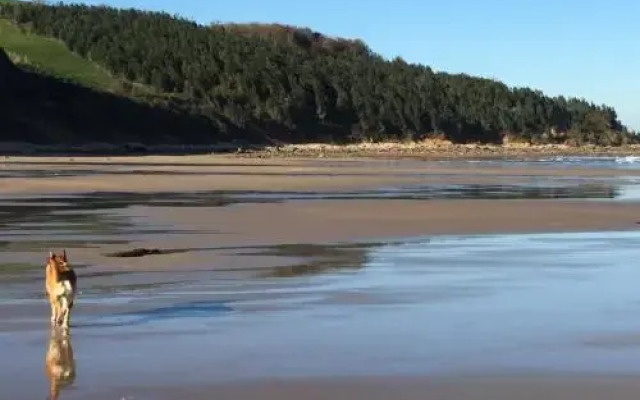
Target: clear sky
[583, 48]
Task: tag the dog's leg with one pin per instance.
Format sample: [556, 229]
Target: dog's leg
[65, 318]
[56, 312]
[67, 313]
[53, 312]
[63, 310]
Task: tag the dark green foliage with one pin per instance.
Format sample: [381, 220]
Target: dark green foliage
[264, 82]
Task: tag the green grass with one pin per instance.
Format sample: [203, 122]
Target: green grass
[52, 57]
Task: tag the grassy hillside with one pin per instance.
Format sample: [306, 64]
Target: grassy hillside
[52, 57]
[40, 109]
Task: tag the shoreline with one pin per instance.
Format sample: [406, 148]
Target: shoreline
[218, 173]
[428, 149]
[439, 150]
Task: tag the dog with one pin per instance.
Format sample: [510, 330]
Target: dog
[60, 367]
[60, 288]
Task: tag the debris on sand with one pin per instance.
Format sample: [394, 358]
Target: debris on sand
[140, 252]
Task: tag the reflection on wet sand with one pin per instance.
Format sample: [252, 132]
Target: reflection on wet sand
[317, 259]
[60, 363]
[80, 209]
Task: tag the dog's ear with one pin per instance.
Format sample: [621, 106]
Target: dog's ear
[64, 255]
[51, 255]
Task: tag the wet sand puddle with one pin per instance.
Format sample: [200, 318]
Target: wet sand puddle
[19, 208]
[616, 162]
[92, 220]
[509, 304]
[313, 168]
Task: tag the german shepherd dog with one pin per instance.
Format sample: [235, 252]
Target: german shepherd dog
[60, 287]
[60, 363]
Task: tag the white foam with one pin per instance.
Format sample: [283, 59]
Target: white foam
[627, 160]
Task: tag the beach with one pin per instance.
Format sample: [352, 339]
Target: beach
[326, 277]
[410, 389]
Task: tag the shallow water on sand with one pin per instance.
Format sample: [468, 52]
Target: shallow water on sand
[448, 305]
[615, 162]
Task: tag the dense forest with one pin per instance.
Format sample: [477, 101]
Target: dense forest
[272, 83]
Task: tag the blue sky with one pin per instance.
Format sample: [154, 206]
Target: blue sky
[582, 48]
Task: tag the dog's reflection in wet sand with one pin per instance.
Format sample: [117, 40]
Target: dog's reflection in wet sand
[60, 364]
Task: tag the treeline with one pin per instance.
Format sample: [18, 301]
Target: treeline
[269, 82]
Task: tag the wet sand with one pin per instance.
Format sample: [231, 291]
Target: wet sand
[462, 388]
[155, 174]
[325, 279]
[312, 201]
[475, 316]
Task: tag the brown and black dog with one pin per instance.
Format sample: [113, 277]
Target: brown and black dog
[60, 287]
